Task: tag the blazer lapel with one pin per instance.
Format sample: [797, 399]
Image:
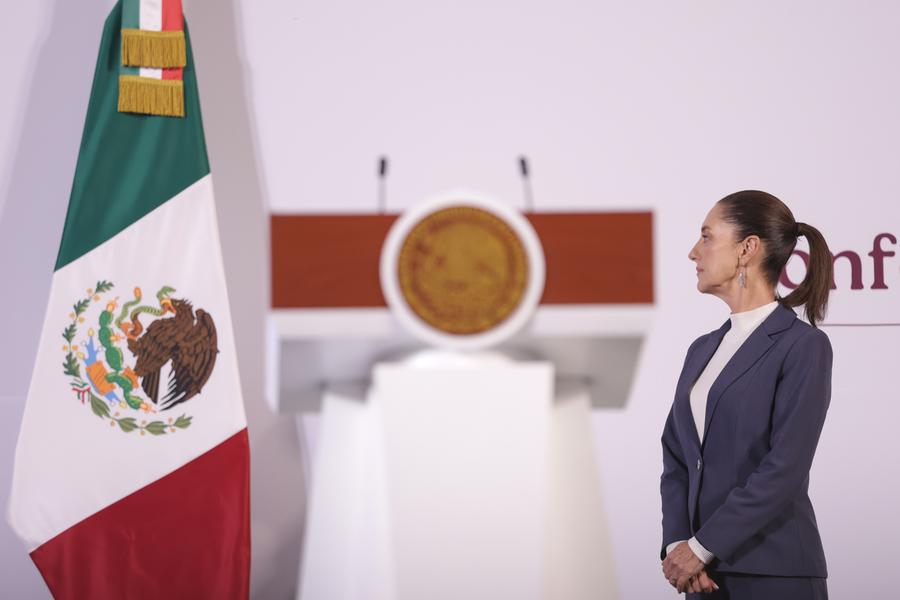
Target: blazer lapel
[750, 351]
[692, 372]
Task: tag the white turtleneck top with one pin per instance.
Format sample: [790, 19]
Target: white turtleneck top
[742, 325]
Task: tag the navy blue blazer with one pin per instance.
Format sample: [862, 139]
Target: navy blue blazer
[743, 490]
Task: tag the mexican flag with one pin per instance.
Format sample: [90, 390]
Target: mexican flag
[132, 465]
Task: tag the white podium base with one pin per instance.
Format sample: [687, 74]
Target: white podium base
[457, 477]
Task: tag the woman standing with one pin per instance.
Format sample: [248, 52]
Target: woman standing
[748, 410]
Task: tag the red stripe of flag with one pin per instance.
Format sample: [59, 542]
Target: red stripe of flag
[172, 20]
[186, 535]
[173, 74]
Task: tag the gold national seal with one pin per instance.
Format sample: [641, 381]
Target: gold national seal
[462, 270]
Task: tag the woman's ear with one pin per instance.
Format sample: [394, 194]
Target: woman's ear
[750, 247]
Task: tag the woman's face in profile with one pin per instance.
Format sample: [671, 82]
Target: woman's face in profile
[715, 253]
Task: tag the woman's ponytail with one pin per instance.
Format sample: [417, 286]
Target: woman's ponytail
[814, 289]
[753, 212]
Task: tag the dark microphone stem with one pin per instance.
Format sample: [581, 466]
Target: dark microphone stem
[382, 184]
[526, 185]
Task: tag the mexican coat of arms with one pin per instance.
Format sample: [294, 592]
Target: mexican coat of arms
[135, 361]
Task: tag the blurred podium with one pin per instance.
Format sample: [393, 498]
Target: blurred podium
[457, 464]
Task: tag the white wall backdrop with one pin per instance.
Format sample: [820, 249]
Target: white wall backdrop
[655, 104]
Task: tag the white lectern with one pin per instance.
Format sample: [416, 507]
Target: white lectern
[467, 472]
[458, 476]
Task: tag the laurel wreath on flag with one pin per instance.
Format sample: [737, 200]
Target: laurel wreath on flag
[85, 391]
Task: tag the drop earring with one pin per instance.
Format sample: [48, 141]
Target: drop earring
[742, 277]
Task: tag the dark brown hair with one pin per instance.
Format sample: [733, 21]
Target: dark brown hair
[757, 213]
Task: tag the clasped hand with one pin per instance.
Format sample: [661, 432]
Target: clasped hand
[687, 573]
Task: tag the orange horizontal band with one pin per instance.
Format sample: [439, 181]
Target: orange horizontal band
[331, 261]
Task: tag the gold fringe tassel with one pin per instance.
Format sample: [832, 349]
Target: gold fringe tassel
[153, 49]
[146, 96]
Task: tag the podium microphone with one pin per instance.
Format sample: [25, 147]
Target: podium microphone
[526, 184]
[382, 184]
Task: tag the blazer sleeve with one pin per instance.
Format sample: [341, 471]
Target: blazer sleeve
[673, 484]
[801, 401]
[673, 487]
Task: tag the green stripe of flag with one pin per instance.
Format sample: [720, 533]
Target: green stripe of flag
[131, 14]
[131, 19]
[128, 164]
